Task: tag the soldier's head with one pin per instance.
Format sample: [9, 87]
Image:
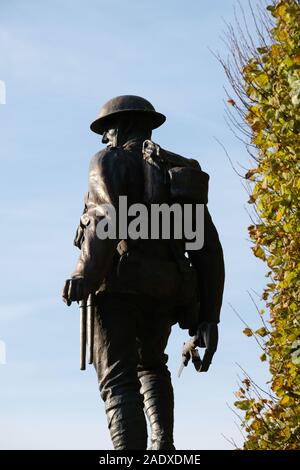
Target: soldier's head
[126, 117]
[122, 129]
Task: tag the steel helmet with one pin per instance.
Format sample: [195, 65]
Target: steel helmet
[126, 104]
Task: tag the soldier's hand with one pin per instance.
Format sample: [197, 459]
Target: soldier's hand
[75, 289]
[207, 337]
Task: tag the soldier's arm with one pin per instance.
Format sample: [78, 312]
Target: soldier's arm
[107, 180]
[209, 264]
[208, 261]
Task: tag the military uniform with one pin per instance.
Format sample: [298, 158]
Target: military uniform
[143, 286]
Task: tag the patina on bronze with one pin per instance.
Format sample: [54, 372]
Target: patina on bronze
[138, 289]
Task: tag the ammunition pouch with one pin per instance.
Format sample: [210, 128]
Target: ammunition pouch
[157, 278]
[188, 185]
[174, 282]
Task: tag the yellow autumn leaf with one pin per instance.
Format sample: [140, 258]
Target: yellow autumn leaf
[255, 110]
[256, 425]
[280, 10]
[277, 383]
[259, 252]
[263, 444]
[280, 213]
[282, 35]
[248, 332]
[286, 433]
[276, 50]
[285, 400]
[262, 79]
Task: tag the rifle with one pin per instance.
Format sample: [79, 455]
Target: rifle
[87, 316]
[190, 352]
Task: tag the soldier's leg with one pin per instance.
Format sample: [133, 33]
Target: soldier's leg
[115, 359]
[153, 333]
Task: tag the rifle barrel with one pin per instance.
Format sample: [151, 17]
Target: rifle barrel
[82, 327]
[90, 327]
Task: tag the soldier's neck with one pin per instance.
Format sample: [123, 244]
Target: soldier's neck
[133, 137]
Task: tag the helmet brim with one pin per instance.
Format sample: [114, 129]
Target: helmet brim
[100, 124]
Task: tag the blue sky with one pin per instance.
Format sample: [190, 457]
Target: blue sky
[60, 61]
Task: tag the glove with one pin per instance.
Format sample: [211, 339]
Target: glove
[207, 337]
[75, 289]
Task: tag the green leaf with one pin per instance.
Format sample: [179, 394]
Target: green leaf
[262, 332]
[243, 404]
[261, 80]
[262, 50]
[259, 252]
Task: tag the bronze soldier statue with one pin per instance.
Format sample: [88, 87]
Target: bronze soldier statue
[143, 286]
